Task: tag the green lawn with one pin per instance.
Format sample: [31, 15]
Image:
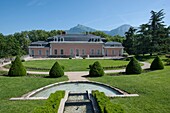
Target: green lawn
[72, 64]
[153, 89]
[16, 87]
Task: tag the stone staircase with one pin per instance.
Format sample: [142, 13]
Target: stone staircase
[79, 103]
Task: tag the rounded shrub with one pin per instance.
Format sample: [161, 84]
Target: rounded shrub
[96, 70]
[133, 67]
[17, 69]
[56, 71]
[157, 64]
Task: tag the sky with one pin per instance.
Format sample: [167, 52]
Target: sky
[22, 15]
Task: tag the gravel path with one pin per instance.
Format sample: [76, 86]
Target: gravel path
[76, 76]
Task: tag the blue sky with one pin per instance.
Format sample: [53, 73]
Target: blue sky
[21, 15]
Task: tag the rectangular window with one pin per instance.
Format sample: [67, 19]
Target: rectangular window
[55, 51]
[113, 52]
[106, 52]
[77, 52]
[62, 52]
[39, 52]
[92, 51]
[83, 52]
[32, 52]
[47, 52]
[71, 51]
[98, 52]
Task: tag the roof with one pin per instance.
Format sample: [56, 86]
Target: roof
[76, 37]
[39, 43]
[113, 44]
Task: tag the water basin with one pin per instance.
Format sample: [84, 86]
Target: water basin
[78, 87]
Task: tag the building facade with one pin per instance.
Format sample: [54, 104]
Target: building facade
[75, 45]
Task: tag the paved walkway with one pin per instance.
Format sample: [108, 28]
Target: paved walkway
[75, 76]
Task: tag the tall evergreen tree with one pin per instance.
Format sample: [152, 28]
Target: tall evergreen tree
[129, 42]
[155, 25]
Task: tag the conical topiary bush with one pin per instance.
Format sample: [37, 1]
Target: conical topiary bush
[96, 70]
[17, 69]
[56, 71]
[157, 64]
[133, 67]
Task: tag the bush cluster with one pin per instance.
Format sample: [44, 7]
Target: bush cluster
[17, 69]
[104, 104]
[133, 67]
[157, 64]
[96, 70]
[56, 70]
[52, 103]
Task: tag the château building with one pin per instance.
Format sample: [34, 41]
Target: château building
[75, 45]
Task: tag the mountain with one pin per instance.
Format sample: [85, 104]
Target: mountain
[82, 29]
[120, 30]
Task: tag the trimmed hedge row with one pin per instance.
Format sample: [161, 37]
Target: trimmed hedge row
[104, 104]
[52, 103]
[34, 68]
[115, 67]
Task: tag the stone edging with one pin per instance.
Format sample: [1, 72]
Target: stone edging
[29, 95]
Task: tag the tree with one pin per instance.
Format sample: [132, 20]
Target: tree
[2, 46]
[157, 64]
[155, 24]
[143, 40]
[96, 70]
[17, 69]
[133, 67]
[129, 42]
[56, 70]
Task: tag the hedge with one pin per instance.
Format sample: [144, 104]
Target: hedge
[104, 104]
[17, 69]
[56, 70]
[96, 70]
[133, 67]
[157, 64]
[52, 103]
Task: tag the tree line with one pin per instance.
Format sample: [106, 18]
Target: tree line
[17, 43]
[151, 37]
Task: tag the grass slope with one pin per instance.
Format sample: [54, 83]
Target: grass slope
[153, 88]
[16, 87]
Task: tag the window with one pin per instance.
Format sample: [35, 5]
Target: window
[106, 52]
[77, 52]
[62, 52]
[55, 51]
[98, 52]
[39, 52]
[71, 51]
[55, 39]
[92, 51]
[113, 52]
[83, 52]
[47, 52]
[62, 39]
[32, 52]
